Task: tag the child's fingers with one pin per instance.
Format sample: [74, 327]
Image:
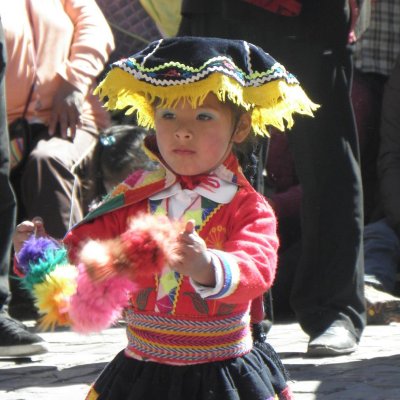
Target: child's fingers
[189, 228]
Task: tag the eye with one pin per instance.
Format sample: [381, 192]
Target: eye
[166, 114]
[205, 116]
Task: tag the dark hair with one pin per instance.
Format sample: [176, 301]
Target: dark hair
[120, 146]
[247, 155]
[247, 151]
[117, 153]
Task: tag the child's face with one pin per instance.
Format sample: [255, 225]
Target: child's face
[196, 141]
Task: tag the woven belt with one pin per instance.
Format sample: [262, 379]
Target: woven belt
[174, 340]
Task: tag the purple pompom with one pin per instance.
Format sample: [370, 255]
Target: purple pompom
[33, 250]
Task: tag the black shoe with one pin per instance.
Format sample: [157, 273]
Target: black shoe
[382, 307]
[336, 340]
[16, 340]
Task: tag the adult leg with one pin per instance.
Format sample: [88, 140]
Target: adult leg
[381, 255]
[328, 285]
[7, 201]
[15, 339]
[49, 187]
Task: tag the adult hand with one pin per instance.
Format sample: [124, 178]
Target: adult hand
[25, 229]
[354, 14]
[66, 110]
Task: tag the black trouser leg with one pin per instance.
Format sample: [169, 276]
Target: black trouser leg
[7, 201]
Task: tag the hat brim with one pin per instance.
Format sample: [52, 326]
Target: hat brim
[170, 70]
[272, 103]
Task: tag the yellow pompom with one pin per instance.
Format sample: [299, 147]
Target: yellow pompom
[52, 296]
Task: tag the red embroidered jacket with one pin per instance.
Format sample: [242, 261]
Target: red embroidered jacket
[184, 326]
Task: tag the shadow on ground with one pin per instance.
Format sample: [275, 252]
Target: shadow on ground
[375, 378]
[49, 376]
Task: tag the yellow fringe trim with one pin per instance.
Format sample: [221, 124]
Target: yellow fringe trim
[272, 103]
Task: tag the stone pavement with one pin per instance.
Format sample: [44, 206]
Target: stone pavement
[371, 373]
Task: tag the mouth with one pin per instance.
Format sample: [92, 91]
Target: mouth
[183, 152]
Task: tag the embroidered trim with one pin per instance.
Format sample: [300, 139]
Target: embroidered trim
[220, 64]
[178, 340]
[231, 274]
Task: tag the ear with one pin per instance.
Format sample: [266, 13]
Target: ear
[243, 128]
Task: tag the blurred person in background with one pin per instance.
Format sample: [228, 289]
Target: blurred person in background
[15, 339]
[382, 237]
[56, 49]
[375, 52]
[311, 38]
[118, 153]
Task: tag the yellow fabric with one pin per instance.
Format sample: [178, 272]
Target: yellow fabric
[165, 13]
[271, 104]
[92, 395]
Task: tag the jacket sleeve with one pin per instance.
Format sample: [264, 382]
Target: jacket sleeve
[389, 153]
[247, 263]
[92, 44]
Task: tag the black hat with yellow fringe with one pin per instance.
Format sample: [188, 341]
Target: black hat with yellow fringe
[189, 68]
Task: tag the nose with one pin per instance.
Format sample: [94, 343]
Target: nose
[183, 132]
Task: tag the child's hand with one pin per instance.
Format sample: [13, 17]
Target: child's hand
[194, 260]
[25, 229]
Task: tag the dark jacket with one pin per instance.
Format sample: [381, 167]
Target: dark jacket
[327, 20]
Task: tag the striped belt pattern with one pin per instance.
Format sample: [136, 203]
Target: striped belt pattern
[178, 340]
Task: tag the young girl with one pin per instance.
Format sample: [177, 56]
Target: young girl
[188, 327]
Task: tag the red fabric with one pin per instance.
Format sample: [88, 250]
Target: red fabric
[190, 182]
[233, 228]
[288, 8]
[16, 268]
[257, 310]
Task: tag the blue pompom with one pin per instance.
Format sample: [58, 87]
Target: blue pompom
[33, 250]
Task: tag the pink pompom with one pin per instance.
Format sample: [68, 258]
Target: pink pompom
[108, 269]
[144, 249]
[97, 305]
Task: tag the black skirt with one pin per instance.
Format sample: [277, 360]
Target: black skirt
[258, 375]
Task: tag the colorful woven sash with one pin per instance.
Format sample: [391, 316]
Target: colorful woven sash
[174, 340]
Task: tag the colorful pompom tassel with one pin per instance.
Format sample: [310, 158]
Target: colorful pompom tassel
[144, 249]
[92, 296]
[97, 305]
[108, 269]
[33, 251]
[49, 277]
[53, 296]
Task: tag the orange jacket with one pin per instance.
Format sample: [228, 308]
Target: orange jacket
[66, 39]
